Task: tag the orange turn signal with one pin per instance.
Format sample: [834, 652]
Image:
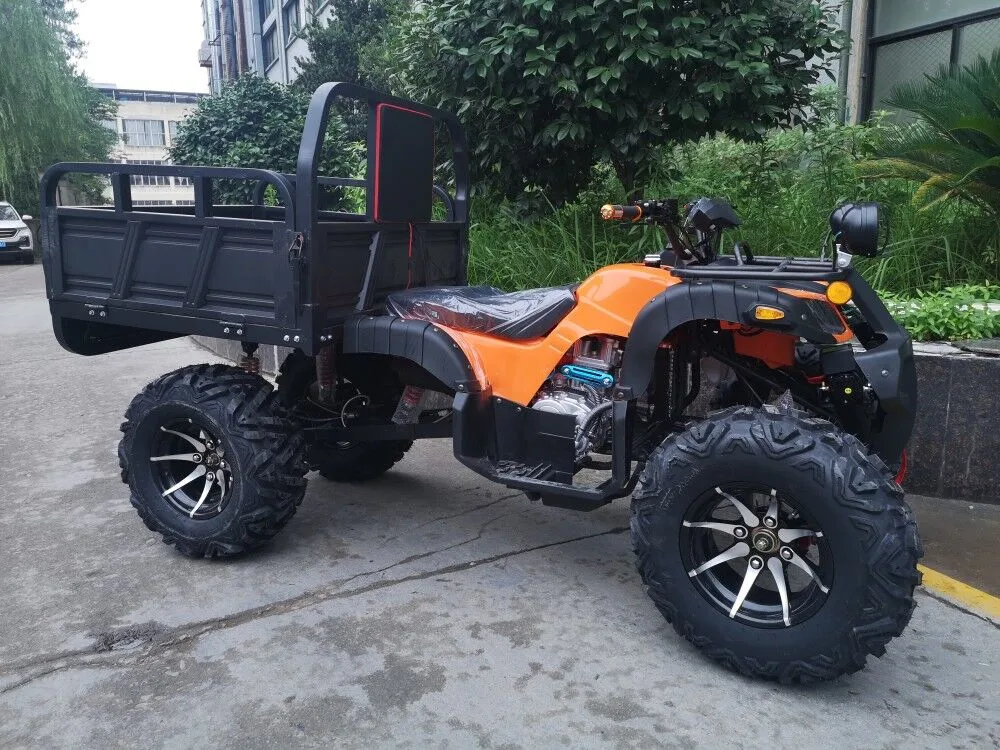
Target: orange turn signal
[762, 312]
[839, 292]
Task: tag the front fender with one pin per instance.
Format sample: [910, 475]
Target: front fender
[728, 300]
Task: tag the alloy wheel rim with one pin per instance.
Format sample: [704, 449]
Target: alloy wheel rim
[190, 469]
[755, 556]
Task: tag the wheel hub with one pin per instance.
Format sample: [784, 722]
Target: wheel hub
[751, 576]
[193, 475]
[764, 541]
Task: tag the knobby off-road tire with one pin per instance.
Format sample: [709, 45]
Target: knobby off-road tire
[355, 462]
[869, 534]
[262, 452]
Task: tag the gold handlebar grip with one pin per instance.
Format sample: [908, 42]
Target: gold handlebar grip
[611, 212]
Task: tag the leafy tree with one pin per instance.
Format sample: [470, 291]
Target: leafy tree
[338, 48]
[61, 18]
[548, 89]
[345, 48]
[953, 148]
[47, 111]
[253, 123]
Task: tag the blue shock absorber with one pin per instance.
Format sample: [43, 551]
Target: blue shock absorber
[588, 375]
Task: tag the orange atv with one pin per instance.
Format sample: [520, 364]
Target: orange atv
[756, 408]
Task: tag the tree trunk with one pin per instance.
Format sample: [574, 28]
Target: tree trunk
[629, 172]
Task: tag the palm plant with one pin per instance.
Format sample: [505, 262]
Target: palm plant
[953, 148]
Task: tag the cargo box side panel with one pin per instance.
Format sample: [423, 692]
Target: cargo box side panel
[248, 276]
[338, 265]
[91, 253]
[445, 254]
[164, 265]
[121, 280]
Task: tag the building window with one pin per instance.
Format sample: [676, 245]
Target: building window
[912, 39]
[144, 133]
[182, 181]
[292, 18]
[892, 16]
[270, 48]
[148, 180]
[266, 9]
[183, 203]
[172, 126]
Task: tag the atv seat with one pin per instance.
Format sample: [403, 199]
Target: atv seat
[482, 309]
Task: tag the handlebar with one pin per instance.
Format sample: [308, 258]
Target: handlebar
[663, 212]
[611, 212]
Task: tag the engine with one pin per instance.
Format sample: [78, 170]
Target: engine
[581, 387]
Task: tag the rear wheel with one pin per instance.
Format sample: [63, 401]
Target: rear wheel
[212, 464]
[776, 545]
[340, 461]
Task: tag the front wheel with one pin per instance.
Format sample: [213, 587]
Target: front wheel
[776, 544]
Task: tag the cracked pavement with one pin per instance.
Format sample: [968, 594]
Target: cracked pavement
[427, 609]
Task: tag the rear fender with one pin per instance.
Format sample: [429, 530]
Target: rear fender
[422, 343]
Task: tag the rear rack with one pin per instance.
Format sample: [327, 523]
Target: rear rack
[768, 268]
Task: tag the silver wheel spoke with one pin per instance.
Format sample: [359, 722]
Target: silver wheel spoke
[199, 471]
[808, 568]
[772, 510]
[725, 528]
[200, 447]
[749, 517]
[740, 549]
[189, 457]
[778, 573]
[220, 476]
[748, 581]
[790, 535]
[209, 480]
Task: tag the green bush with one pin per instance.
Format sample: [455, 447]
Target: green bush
[952, 150]
[960, 312]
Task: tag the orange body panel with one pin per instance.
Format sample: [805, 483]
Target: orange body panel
[607, 304]
[771, 347]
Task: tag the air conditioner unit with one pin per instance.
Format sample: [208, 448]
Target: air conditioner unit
[205, 55]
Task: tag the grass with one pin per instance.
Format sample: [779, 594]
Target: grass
[784, 188]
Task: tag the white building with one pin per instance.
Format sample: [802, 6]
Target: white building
[146, 125]
[261, 36]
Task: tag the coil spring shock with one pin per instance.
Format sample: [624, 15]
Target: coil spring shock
[250, 362]
[326, 373]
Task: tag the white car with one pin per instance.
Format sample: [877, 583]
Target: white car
[15, 237]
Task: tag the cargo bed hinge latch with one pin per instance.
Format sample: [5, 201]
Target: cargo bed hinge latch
[295, 249]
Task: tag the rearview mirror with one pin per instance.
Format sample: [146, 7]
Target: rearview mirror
[27, 217]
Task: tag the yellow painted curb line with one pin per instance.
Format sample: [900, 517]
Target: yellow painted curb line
[961, 593]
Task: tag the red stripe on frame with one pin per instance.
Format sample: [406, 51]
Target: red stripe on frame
[409, 262]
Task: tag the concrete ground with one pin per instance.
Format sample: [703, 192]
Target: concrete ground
[427, 609]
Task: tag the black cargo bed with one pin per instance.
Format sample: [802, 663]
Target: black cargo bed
[291, 274]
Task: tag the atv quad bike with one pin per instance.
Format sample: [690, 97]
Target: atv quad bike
[768, 522]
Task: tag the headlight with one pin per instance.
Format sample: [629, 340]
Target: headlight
[859, 228]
